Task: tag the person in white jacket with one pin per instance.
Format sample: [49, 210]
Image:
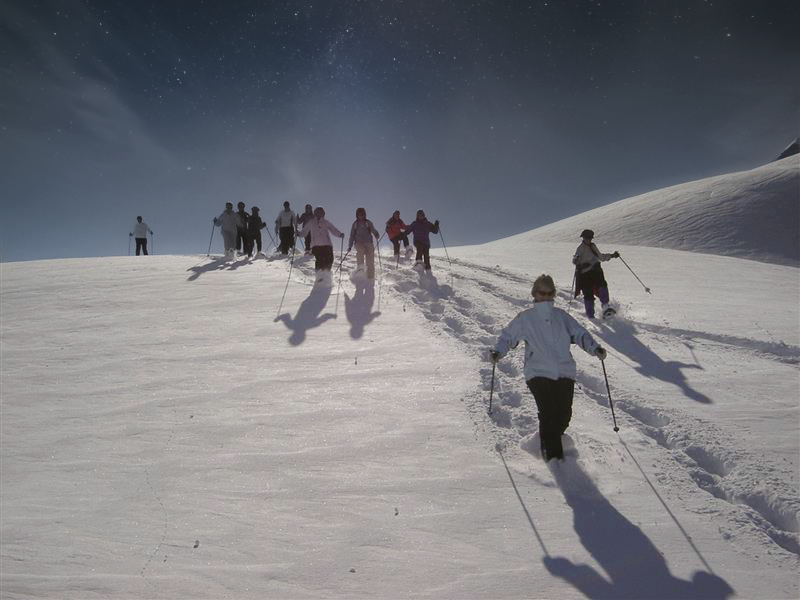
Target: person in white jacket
[229, 223]
[285, 226]
[140, 231]
[549, 367]
[321, 246]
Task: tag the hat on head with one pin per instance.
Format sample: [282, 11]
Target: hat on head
[587, 233]
[319, 212]
[361, 212]
[420, 213]
[544, 283]
[254, 208]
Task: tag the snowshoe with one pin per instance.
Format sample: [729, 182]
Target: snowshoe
[608, 312]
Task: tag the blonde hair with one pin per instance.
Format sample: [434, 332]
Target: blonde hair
[543, 283]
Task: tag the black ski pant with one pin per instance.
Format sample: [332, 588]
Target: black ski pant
[241, 240]
[591, 283]
[141, 245]
[323, 256]
[554, 402]
[424, 254]
[286, 235]
[396, 242]
[253, 239]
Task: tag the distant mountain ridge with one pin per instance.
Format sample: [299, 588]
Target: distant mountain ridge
[752, 214]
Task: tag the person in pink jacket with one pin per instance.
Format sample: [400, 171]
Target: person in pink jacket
[321, 247]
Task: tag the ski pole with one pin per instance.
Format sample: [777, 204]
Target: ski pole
[491, 388]
[130, 237]
[610, 402]
[646, 289]
[271, 239]
[339, 285]
[288, 279]
[213, 226]
[152, 244]
[445, 247]
[380, 269]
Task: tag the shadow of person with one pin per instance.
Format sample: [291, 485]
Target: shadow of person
[218, 264]
[359, 308]
[308, 315]
[622, 336]
[634, 566]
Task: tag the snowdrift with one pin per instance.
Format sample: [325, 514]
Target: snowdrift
[753, 214]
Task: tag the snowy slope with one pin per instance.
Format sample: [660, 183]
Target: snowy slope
[753, 214]
[168, 431]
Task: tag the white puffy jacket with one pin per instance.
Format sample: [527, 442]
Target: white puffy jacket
[319, 228]
[547, 332]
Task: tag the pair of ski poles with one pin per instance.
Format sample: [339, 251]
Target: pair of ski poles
[605, 376]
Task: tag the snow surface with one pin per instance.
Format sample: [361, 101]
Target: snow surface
[754, 214]
[183, 427]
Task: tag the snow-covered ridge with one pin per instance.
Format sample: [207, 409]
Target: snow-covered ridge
[190, 427]
[753, 214]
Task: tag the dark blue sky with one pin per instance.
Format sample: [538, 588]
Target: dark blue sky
[495, 117]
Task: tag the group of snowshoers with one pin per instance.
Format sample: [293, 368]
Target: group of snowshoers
[546, 330]
[241, 232]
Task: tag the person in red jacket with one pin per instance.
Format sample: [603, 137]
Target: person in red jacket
[396, 230]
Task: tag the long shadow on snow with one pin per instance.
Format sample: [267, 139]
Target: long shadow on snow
[634, 565]
[622, 336]
[359, 308]
[308, 315]
[218, 264]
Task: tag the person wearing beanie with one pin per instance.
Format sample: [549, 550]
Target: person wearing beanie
[422, 228]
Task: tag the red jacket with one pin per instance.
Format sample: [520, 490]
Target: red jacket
[394, 227]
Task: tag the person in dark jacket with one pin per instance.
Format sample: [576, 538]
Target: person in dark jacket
[422, 228]
[301, 221]
[254, 227]
[241, 232]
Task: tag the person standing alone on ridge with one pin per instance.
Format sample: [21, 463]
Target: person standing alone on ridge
[589, 277]
[285, 226]
[140, 231]
[549, 367]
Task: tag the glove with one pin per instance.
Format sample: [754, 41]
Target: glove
[494, 355]
[615, 255]
[130, 235]
[341, 235]
[215, 220]
[349, 248]
[436, 222]
[601, 353]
